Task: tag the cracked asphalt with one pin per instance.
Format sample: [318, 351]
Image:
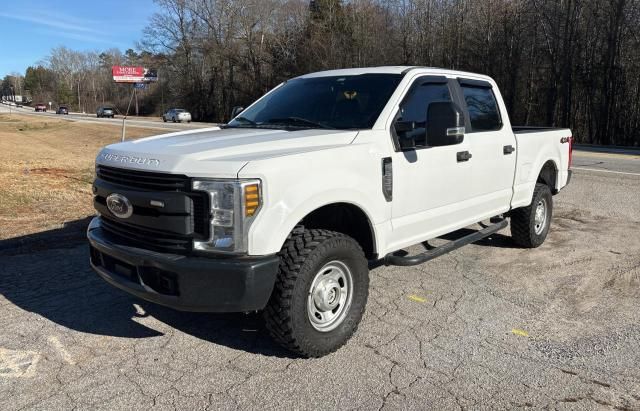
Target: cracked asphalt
[488, 326]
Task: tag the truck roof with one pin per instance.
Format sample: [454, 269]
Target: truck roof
[393, 70]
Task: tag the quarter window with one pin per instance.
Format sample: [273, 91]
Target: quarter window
[482, 107]
[415, 108]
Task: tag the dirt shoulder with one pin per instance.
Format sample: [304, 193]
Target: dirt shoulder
[46, 171]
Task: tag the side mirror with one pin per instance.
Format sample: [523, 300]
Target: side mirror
[445, 124]
[405, 138]
[236, 110]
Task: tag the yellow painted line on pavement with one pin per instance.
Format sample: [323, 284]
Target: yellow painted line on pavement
[605, 171]
[417, 299]
[595, 154]
[519, 332]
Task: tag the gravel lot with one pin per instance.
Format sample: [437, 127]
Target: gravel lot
[488, 326]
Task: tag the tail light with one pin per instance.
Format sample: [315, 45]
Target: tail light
[570, 151]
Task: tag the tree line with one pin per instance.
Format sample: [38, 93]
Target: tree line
[565, 63]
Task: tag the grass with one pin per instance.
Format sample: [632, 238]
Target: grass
[46, 170]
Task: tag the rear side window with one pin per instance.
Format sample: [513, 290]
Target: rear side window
[482, 107]
[414, 108]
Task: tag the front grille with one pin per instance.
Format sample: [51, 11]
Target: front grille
[143, 180]
[154, 237]
[147, 239]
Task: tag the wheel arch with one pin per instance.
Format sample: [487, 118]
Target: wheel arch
[548, 175]
[341, 216]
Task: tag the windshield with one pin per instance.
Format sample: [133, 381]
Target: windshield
[338, 102]
[179, 110]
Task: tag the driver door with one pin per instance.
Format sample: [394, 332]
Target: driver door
[431, 185]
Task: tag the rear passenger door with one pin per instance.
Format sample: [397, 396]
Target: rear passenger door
[492, 146]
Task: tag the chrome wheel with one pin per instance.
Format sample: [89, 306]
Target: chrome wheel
[330, 296]
[540, 217]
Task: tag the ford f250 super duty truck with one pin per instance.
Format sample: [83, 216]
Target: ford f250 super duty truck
[283, 209]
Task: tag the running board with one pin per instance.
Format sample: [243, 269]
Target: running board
[391, 259]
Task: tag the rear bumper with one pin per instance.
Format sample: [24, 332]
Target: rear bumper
[182, 282]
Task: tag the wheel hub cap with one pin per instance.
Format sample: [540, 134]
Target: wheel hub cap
[327, 294]
[330, 296]
[540, 216]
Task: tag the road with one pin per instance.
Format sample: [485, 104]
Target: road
[487, 326]
[132, 121]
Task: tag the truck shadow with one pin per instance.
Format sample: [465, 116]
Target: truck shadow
[48, 274]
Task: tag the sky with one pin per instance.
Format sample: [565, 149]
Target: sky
[29, 29]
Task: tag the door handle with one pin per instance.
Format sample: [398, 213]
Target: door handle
[508, 149]
[463, 156]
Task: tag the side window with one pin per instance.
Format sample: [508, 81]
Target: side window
[482, 107]
[414, 108]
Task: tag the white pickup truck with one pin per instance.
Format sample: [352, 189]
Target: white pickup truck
[283, 209]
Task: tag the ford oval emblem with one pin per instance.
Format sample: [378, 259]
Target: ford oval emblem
[119, 205]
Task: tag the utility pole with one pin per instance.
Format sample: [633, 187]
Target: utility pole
[124, 126]
[135, 93]
[161, 95]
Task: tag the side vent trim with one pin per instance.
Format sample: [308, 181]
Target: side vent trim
[387, 179]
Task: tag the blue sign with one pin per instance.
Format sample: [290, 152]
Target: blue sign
[139, 85]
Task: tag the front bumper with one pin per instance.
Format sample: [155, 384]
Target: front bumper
[185, 283]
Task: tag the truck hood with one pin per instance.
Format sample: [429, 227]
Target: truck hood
[213, 152]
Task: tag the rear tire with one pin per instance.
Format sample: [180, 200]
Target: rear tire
[530, 225]
[320, 293]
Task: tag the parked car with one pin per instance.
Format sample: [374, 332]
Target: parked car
[177, 114]
[283, 209]
[40, 107]
[105, 112]
[62, 110]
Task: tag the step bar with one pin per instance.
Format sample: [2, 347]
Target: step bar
[392, 259]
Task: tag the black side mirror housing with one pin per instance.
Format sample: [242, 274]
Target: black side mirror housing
[236, 110]
[445, 124]
[403, 130]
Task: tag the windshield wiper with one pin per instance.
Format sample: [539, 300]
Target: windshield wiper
[298, 120]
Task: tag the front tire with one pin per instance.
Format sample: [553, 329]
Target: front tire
[320, 293]
[530, 225]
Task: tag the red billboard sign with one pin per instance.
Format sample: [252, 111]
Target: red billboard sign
[129, 74]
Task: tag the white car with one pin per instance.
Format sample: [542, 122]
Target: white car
[176, 115]
[283, 209]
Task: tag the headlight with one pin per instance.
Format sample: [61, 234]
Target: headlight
[234, 205]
